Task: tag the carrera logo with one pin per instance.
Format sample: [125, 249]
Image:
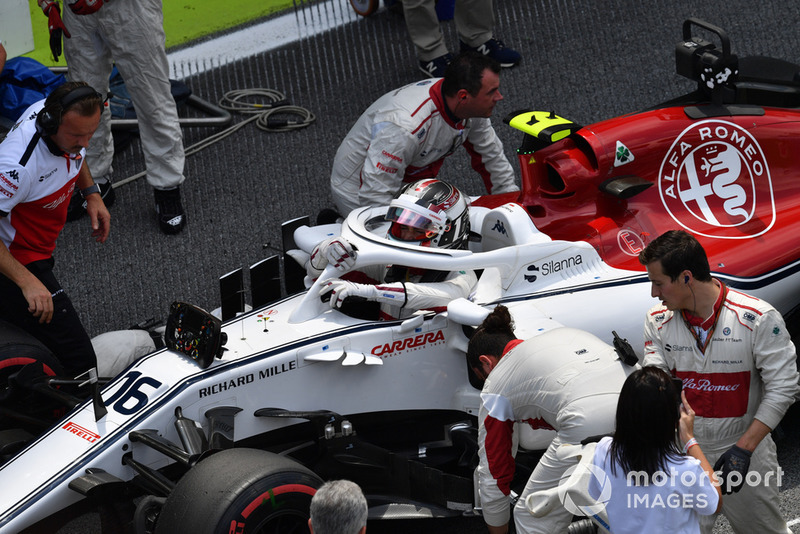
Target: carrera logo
[715, 181]
[81, 432]
[5, 180]
[389, 349]
[391, 156]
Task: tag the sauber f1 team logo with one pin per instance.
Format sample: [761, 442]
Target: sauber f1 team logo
[715, 181]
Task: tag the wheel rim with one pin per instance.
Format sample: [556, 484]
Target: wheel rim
[264, 516]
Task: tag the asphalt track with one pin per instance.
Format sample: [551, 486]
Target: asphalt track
[585, 60]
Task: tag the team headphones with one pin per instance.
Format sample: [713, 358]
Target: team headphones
[49, 118]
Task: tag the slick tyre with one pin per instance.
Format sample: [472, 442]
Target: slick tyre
[17, 349]
[245, 491]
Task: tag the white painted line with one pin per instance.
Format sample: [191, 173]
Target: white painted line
[268, 35]
[793, 522]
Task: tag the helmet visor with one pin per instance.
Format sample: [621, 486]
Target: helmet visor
[410, 226]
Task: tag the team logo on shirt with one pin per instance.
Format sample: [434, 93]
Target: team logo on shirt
[47, 175]
[57, 202]
[715, 181]
[5, 182]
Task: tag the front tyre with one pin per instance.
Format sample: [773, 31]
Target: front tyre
[242, 491]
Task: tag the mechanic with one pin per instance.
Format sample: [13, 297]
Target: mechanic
[41, 162]
[338, 507]
[130, 35]
[406, 134]
[565, 380]
[738, 366]
[428, 213]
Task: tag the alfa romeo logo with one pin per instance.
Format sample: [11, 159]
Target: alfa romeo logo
[715, 181]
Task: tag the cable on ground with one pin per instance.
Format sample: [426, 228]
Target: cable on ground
[271, 112]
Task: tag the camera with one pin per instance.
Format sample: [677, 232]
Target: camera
[700, 60]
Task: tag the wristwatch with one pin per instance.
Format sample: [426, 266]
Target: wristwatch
[94, 188]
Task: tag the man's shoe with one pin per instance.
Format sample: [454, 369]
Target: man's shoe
[435, 68]
[495, 49]
[77, 205]
[169, 209]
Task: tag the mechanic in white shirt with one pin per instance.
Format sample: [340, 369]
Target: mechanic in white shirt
[429, 213]
[407, 133]
[565, 380]
[739, 371]
[41, 162]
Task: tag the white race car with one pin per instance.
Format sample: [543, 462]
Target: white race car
[233, 425]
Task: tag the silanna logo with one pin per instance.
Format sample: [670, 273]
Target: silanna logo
[715, 181]
[547, 268]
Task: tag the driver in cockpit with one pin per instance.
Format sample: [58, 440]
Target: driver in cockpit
[428, 213]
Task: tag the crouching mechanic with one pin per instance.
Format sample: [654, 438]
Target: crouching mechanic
[41, 161]
[565, 380]
[428, 213]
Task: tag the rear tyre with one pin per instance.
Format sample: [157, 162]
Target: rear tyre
[245, 491]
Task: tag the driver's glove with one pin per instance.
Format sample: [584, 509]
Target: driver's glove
[336, 251]
[734, 460]
[55, 25]
[86, 7]
[394, 294]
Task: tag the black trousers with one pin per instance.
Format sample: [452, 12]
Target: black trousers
[64, 335]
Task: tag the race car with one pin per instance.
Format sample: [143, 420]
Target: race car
[234, 425]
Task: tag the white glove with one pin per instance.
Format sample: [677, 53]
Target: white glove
[394, 294]
[336, 251]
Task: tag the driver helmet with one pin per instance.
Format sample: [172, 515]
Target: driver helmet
[431, 213]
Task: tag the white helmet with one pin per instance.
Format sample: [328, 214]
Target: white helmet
[430, 212]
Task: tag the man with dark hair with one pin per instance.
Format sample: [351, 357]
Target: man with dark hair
[563, 379]
[338, 507]
[41, 162]
[738, 366]
[406, 135]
